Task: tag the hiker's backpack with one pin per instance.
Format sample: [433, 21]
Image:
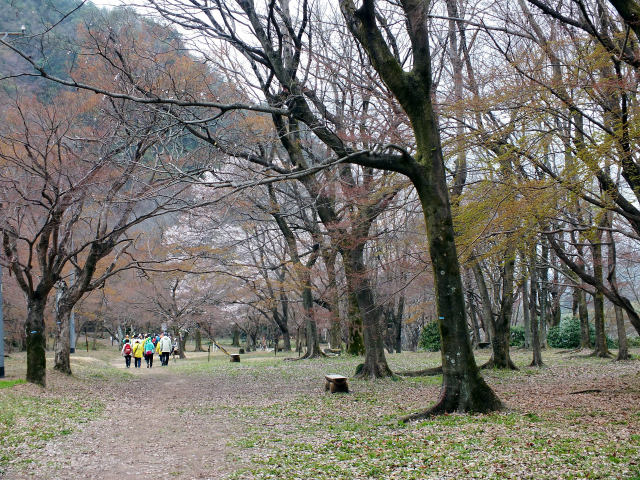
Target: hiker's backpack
[127, 349]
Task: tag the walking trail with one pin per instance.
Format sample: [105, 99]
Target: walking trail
[146, 431]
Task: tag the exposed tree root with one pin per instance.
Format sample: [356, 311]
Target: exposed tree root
[624, 358]
[571, 350]
[427, 372]
[306, 356]
[63, 368]
[370, 372]
[492, 364]
[599, 354]
[590, 390]
[480, 400]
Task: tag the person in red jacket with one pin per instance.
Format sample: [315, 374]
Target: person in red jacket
[126, 352]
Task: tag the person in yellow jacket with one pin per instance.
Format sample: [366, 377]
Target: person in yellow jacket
[138, 351]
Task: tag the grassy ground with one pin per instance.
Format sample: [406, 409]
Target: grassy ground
[283, 425]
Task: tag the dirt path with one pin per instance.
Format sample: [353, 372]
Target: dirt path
[142, 433]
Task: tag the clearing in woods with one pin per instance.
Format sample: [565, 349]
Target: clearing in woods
[269, 418]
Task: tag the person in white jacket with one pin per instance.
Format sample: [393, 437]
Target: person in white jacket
[164, 347]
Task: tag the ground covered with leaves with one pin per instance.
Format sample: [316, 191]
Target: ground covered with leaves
[578, 417]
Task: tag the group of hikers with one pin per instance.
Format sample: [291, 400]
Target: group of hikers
[146, 346]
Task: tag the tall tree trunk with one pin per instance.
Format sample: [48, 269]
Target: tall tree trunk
[62, 341]
[543, 294]
[502, 328]
[282, 323]
[500, 323]
[579, 311]
[471, 307]
[583, 311]
[526, 313]
[601, 349]
[298, 341]
[623, 346]
[235, 337]
[182, 342]
[486, 310]
[475, 338]
[463, 388]
[535, 321]
[36, 342]
[311, 328]
[355, 340]
[397, 321]
[335, 328]
[555, 299]
[304, 277]
[198, 339]
[375, 362]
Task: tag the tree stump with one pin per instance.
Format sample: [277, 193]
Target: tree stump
[241, 351]
[336, 383]
[234, 357]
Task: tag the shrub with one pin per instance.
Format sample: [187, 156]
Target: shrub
[517, 336]
[430, 337]
[567, 335]
[634, 341]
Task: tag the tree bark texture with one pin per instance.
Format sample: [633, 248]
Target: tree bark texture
[36, 342]
[397, 325]
[198, 338]
[355, 340]
[375, 363]
[62, 341]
